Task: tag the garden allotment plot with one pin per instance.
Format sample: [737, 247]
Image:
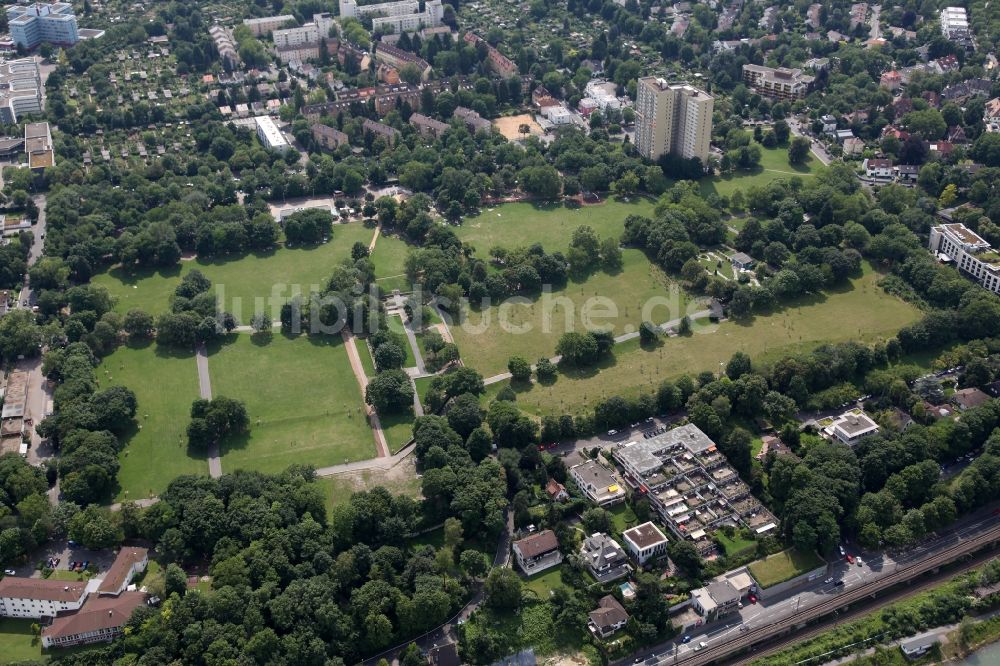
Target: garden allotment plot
[304, 402]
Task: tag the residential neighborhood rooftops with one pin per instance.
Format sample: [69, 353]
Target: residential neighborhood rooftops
[645, 535]
[968, 398]
[537, 544]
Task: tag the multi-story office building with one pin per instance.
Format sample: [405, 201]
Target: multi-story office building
[969, 251]
[21, 90]
[31, 25]
[672, 118]
[779, 83]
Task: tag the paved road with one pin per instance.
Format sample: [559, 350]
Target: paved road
[875, 31]
[818, 151]
[400, 302]
[664, 328]
[874, 566]
[205, 391]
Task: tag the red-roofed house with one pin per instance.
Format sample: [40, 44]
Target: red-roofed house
[891, 80]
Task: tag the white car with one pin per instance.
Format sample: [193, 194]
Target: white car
[9, 572]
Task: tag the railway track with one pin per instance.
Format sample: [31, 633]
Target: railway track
[901, 574]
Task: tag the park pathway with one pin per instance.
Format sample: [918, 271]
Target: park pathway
[664, 327]
[205, 390]
[378, 230]
[381, 446]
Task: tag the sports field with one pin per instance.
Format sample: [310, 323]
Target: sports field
[551, 224]
[246, 277]
[304, 402]
[860, 312]
[626, 292]
[165, 384]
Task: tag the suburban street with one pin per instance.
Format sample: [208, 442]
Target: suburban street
[770, 611]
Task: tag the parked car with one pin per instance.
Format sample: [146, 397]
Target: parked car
[686, 639]
[9, 572]
[828, 581]
[850, 559]
[839, 583]
[860, 563]
[842, 551]
[752, 598]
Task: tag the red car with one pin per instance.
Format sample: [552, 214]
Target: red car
[752, 598]
[850, 559]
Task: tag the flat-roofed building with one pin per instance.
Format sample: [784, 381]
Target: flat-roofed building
[260, 27]
[645, 542]
[39, 597]
[270, 135]
[37, 23]
[954, 22]
[38, 146]
[21, 89]
[672, 118]
[597, 482]
[971, 254]
[851, 427]
[351, 9]
[779, 83]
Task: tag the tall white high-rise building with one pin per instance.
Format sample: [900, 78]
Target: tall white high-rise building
[672, 118]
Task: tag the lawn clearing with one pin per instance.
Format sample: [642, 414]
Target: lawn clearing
[389, 257]
[622, 517]
[773, 165]
[544, 583]
[627, 291]
[165, 383]
[423, 385]
[246, 278]
[398, 429]
[398, 480]
[551, 224]
[304, 402]
[396, 326]
[18, 642]
[735, 545]
[783, 566]
[366, 356]
[798, 327]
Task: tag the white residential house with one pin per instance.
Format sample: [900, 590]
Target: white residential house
[851, 427]
[645, 542]
[878, 168]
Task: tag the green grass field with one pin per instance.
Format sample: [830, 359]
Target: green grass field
[366, 356]
[389, 258]
[798, 327]
[304, 403]
[423, 385]
[522, 224]
[18, 643]
[735, 545]
[544, 583]
[247, 277]
[636, 284]
[165, 384]
[396, 326]
[783, 566]
[338, 489]
[398, 429]
[773, 165]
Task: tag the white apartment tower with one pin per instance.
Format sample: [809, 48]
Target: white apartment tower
[672, 118]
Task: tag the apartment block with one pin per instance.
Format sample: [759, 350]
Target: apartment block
[351, 9]
[971, 254]
[954, 22]
[21, 90]
[691, 485]
[672, 118]
[270, 135]
[260, 27]
[34, 24]
[778, 83]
